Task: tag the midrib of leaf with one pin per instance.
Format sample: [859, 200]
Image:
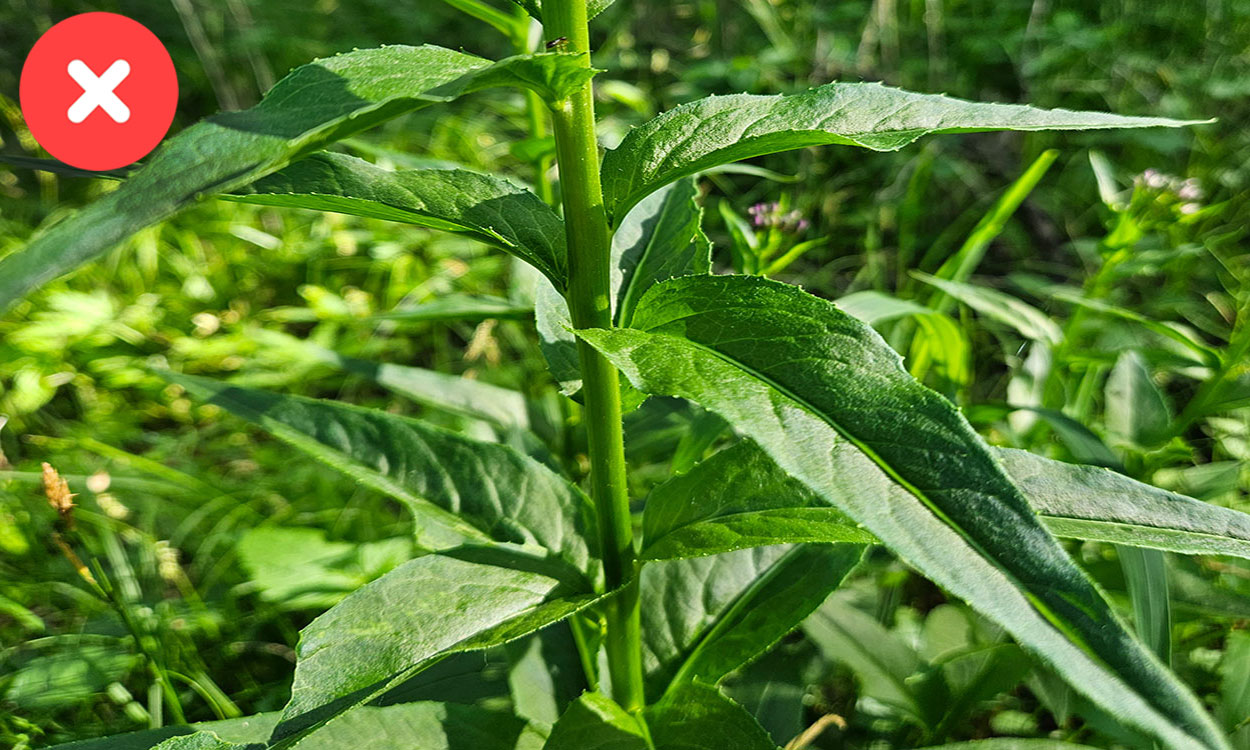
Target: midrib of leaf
[889, 470]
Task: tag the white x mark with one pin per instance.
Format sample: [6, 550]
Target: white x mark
[98, 92]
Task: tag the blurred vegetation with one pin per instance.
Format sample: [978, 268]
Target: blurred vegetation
[1134, 253]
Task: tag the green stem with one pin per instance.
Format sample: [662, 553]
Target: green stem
[589, 298]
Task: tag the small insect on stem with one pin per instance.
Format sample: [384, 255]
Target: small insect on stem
[560, 43]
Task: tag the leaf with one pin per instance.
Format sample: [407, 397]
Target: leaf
[738, 499]
[426, 725]
[1027, 320]
[722, 129]
[1204, 354]
[68, 676]
[809, 383]
[501, 407]
[881, 660]
[545, 674]
[1088, 502]
[660, 239]
[297, 568]
[595, 722]
[199, 741]
[1137, 410]
[1011, 743]
[699, 717]
[714, 614]
[593, 7]
[1234, 709]
[777, 600]
[486, 492]
[878, 307]
[960, 265]
[1146, 575]
[458, 307]
[316, 104]
[488, 209]
[389, 630]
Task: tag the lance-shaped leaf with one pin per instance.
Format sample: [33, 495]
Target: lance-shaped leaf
[428, 725]
[722, 129]
[483, 491]
[738, 499]
[662, 238]
[391, 629]
[808, 382]
[1026, 319]
[488, 209]
[741, 498]
[712, 615]
[316, 104]
[1089, 502]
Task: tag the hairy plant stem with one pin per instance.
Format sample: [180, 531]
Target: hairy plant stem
[589, 298]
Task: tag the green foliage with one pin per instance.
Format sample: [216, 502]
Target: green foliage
[787, 457]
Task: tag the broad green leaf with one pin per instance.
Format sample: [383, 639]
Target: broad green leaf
[1088, 502]
[738, 499]
[809, 383]
[316, 104]
[1026, 319]
[699, 717]
[486, 492]
[595, 722]
[722, 129]
[425, 725]
[714, 614]
[1136, 410]
[661, 238]
[488, 209]
[391, 629]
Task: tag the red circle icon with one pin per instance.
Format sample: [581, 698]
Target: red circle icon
[99, 91]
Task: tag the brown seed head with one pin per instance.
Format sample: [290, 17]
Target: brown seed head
[57, 491]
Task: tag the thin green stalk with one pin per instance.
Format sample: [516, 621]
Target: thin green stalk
[589, 298]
